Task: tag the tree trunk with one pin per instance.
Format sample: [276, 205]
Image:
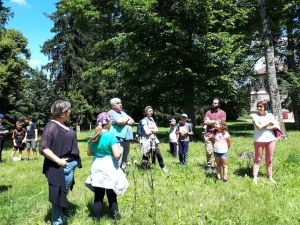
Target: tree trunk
[270, 66]
[294, 94]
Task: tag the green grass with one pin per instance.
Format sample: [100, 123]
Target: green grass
[183, 196]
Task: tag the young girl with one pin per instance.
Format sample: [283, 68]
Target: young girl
[19, 140]
[221, 142]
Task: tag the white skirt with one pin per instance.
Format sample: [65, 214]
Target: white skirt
[106, 173]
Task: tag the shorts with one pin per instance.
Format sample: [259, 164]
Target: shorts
[18, 148]
[30, 143]
[221, 155]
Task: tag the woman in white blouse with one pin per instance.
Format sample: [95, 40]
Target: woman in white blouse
[264, 124]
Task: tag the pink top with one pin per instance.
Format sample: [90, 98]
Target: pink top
[213, 114]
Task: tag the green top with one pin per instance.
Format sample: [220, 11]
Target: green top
[102, 147]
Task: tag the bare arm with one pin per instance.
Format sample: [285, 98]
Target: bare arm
[273, 124]
[115, 150]
[147, 130]
[36, 134]
[50, 155]
[228, 140]
[261, 126]
[207, 121]
[125, 121]
[89, 151]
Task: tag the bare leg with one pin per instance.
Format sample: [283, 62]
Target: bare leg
[225, 168]
[34, 153]
[218, 161]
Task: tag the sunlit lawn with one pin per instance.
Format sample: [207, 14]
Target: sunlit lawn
[186, 195]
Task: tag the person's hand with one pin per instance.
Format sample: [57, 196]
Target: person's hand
[5, 132]
[35, 139]
[62, 162]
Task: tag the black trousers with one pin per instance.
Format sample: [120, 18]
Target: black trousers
[156, 154]
[98, 201]
[173, 148]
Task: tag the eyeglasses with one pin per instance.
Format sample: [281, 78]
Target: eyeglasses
[260, 106]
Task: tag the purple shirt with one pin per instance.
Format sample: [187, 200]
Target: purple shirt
[212, 114]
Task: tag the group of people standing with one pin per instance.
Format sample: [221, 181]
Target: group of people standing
[22, 137]
[109, 145]
[217, 139]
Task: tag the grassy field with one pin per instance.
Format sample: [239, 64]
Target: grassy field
[186, 195]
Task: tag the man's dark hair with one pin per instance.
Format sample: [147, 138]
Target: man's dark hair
[27, 118]
[221, 102]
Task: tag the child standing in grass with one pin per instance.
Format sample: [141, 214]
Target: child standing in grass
[173, 137]
[183, 130]
[19, 140]
[221, 142]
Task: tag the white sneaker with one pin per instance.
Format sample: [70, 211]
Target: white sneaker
[165, 170]
[272, 180]
[255, 181]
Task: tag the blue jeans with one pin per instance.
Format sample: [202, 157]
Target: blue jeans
[58, 217]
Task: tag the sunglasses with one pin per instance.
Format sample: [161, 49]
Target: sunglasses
[260, 106]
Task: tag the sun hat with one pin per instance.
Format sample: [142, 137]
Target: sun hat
[103, 118]
[172, 122]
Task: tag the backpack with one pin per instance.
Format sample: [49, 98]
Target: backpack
[139, 128]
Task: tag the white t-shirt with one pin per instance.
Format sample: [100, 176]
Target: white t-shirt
[220, 145]
[172, 134]
[263, 135]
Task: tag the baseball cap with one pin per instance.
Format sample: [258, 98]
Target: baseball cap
[1, 116]
[184, 115]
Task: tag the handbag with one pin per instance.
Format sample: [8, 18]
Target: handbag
[277, 133]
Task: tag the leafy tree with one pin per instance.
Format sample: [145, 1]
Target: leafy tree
[167, 53]
[13, 66]
[66, 51]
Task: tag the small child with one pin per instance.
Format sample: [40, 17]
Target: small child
[183, 130]
[173, 137]
[221, 142]
[19, 140]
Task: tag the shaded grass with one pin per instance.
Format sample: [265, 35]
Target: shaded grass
[183, 196]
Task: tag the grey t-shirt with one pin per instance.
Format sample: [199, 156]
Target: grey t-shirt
[184, 128]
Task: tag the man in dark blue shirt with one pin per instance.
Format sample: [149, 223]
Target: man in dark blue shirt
[31, 137]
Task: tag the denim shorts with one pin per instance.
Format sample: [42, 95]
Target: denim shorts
[30, 143]
[221, 155]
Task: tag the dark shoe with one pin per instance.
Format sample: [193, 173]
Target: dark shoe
[207, 169]
[225, 180]
[218, 179]
[213, 170]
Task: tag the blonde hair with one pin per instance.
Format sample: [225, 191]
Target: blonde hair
[98, 132]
